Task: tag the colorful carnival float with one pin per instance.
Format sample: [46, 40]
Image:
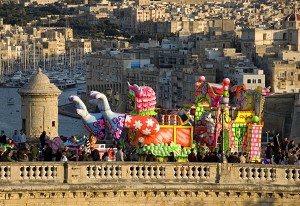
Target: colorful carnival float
[175, 130]
[239, 126]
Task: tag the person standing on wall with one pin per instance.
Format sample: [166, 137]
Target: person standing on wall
[3, 137]
[22, 138]
[16, 137]
[43, 139]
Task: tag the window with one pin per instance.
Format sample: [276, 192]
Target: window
[282, 74]
[249, 81]
[254, 81]
[284, 36]
[264, 36]
[53, 123]
[259, 81]
[292, 73]
[282, 85]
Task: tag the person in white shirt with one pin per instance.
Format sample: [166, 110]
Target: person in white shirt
[64, 157]
[22, 138]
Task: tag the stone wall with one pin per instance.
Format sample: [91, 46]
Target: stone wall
[140, 183]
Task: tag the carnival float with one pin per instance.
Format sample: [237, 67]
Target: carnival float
[210, 120]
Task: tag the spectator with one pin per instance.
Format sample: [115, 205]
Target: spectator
[34, 152]
[242, 157]
[283, 145]
[58, 154]
[7, 157]
[291, 146]
[2, 137]
[192, 156]
[120, 155]
[276, 143]
[105, 157]
[172, 157]
[150, 157]
[43, 139]
[22, 138]
[95, 154]
[293, 158]
[48, 153]
[269, 151]
[233, 158]
[64, 157]
[16, 137]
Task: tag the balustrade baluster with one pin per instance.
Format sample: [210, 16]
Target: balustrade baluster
[8, 172]
[202, 175]
[273, 173]
[48, 172]
[42, 172]
[113, 172]
[102, 171]
[151, 172]
[196, 172]
[157, 172]
[140, 172]
[207, 172]
[184, 172]
[30, 176]
[2, 172]
[296, 175]
[256, 174]
[268, 174]
[190, 172]
[291, 178]
[96, 174]
[250, 174]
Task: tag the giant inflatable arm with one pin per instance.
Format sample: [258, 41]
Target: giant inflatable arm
[93, 122]
[96, 122]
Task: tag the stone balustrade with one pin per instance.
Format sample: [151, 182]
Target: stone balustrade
[147, 183]
[87, 172]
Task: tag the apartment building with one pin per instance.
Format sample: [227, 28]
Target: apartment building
[285, 77]
[114, 69]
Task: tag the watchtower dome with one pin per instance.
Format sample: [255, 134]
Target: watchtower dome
[39, 108]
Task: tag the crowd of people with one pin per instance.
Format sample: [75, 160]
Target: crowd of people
[282, 152]
[15, 148]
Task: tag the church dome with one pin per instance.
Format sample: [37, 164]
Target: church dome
[39, 84]
[291, 17]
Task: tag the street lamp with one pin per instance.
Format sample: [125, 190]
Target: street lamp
[232, 115]
[223, 107]
[267, 132]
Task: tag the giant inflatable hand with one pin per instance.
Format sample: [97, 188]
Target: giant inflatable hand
[93, 122]
[116, 122]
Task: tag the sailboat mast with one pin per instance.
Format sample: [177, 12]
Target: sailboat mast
[34, 54]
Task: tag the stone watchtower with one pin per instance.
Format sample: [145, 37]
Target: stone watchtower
[39, 106]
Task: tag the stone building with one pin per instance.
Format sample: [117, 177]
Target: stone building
[285, 77]
[40, 106]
